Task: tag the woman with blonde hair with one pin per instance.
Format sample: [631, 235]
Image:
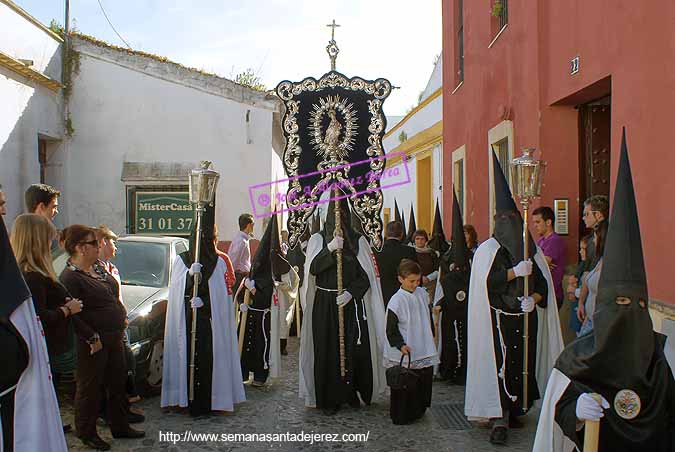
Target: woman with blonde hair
[31, 240]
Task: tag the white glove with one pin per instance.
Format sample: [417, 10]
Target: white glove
[344, 298]
[243, 307]
[196, 302]
[526, 304]
[524, 268]
[336, 244]
[195, 268]
[250, 284]
[588, 409]
[432, 276]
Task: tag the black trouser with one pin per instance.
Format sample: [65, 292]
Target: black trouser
[106, 367]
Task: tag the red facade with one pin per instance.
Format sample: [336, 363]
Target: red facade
[626, 77]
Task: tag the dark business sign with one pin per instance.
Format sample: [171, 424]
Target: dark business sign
[163, 213]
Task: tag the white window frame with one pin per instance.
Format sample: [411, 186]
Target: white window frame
[503, 130]
[459, 154]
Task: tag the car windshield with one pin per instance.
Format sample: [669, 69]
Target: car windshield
[142, 263]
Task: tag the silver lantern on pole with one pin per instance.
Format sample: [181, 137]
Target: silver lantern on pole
[527, 174]
[203, 182]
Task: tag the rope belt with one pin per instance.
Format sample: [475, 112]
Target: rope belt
[459, 347]
[358, 325]
[8, 390]
[326, 290]
[265, 312]
[502, 371]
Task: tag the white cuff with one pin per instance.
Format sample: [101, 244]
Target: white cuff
[577, 292]
[432, 276]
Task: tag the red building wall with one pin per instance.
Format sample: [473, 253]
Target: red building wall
[624, 46]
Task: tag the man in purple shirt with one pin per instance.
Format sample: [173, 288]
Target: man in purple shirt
[240, 251]
[553, 247]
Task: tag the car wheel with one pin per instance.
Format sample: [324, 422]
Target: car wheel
[154, 378]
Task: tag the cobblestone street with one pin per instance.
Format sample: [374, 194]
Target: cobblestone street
[277, 409]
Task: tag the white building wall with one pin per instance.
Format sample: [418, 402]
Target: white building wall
[27, 109]
[122, 114]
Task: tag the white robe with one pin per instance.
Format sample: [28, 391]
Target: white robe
[226, 385]
[288, 293]
[37, 420]
[412, 310]
[374, 313]
[482, 390]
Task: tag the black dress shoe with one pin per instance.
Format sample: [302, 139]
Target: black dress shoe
[95, 442]
[67, 428]
[135, 418]
[130, 433]
[499, 434]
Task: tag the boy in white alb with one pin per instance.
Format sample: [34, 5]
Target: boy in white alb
[409, 334]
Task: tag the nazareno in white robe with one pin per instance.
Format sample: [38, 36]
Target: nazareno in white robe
[374, 313]
[227, 387]
[482, 390]
[37, 420]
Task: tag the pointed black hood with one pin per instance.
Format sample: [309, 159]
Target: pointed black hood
[207, 250]
[13, 287]
[350, 235]
[405, 233]
[268, 261]
[459, 253]
[397, 213]
[618, 330]
[412, 226]
[438, 241]
[508, 229]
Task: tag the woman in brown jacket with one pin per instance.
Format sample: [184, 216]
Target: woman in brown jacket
[100, 345]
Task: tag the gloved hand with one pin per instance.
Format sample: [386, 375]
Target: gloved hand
[524, 268]
[195, 268]
[588, 409]
[526, 304]
[196, 302]
[250, 284]
[336, 244]
[343, 298]
[243, 307]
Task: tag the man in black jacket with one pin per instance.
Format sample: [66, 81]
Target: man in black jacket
[393, 252]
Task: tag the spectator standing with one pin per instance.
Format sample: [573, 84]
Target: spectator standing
[574, 284]
[393, 252]
[596, 210]
[471, 237]
[30, 239]
[230, 277]
[107, 242]
[553, 247]
[100, 345]
[240, 251]
[42, 199]
[590, 281]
